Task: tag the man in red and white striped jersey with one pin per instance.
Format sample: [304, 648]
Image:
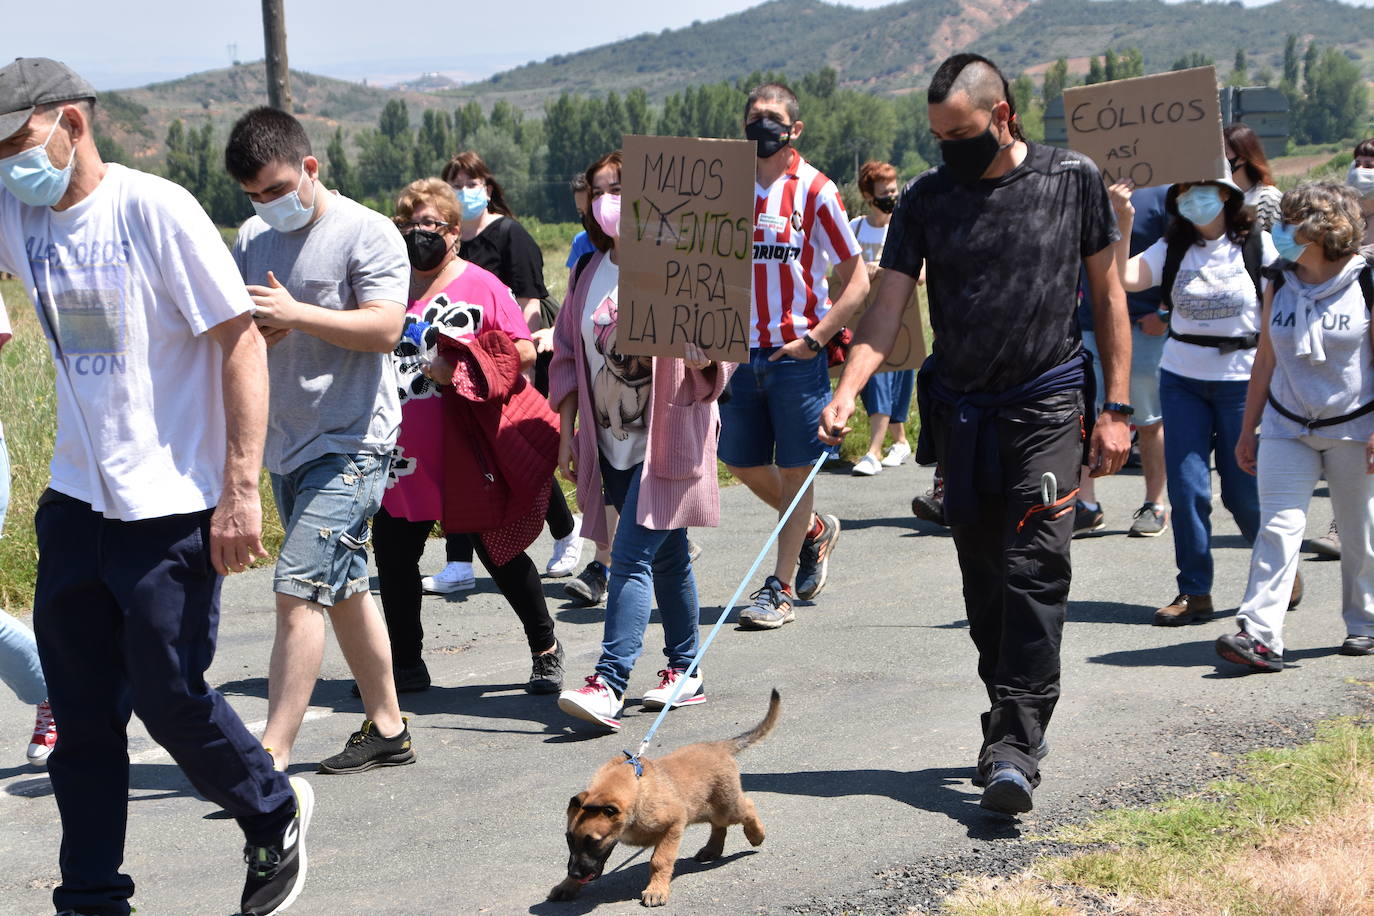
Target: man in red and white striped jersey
[768, 426]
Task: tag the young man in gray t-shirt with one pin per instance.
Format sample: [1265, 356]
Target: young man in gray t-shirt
[329, 280]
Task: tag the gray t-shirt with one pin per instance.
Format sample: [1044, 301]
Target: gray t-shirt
[326, 399]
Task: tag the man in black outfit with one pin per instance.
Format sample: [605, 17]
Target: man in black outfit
[1002, 228]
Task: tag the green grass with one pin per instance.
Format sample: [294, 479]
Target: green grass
[1175, 855]
[28, 409]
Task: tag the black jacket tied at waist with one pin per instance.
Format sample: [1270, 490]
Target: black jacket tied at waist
[971, 450]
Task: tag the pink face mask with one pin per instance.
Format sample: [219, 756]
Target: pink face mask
[606, 211]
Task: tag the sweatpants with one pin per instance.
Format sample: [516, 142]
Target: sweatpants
[1288, 471]
[126, 615]
[1015, 563]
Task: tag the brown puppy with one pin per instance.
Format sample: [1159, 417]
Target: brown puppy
[696, 784]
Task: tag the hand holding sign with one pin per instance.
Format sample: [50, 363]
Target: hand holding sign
[1151, 130]
[686, 246]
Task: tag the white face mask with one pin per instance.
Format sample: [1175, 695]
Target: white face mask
[287, 213]
[1361, 179]
[31, 176]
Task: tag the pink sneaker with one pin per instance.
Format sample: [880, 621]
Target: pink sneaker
[694, 691]
[596, 702]
[44, 736]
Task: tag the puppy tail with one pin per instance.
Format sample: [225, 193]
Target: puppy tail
[760, 731]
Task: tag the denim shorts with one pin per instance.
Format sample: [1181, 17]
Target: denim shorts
[325, 507]
[888, 394]
[773, 411]
[1146, 351]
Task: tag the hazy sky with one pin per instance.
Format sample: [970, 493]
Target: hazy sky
[133, 42]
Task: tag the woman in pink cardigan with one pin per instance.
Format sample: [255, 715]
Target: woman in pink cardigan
[647, 446]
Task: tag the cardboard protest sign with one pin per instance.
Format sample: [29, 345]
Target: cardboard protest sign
[909, 347]
[686, 246]
[1152, 130]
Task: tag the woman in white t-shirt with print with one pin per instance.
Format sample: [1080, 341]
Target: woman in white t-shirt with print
[1214, 323]
[887, 396]
[1250, 171]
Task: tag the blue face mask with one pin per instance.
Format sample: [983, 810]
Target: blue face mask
[1289, 248]
[31, 176]
[286, 213]
[473, 202]
[1200, 205]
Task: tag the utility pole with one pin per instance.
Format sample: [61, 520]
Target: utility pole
[274, 40]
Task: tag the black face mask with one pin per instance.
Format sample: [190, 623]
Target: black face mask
[770, 136]
[885, 204]
[426, 249]
[968, 159]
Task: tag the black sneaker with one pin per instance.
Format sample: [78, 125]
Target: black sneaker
[1008, 791]
[1358, 645]
[589, 588]
[546, 671]
[929, 507]
[1041, 751]
[276, 873]
[366, 750]
[1244, 649]
[814, 563]
[408, 680]
[771, 609]
[1086, 521]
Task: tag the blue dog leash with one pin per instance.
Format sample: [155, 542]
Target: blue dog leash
[633, 759]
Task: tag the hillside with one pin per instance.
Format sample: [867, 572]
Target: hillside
[889, 48]
[137, 119]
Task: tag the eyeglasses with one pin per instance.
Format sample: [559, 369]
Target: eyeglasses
[429, 224]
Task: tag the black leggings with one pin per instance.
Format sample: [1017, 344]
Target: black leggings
[458, 547]
[397, 545]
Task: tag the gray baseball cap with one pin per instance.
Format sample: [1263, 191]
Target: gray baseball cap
[33, 81]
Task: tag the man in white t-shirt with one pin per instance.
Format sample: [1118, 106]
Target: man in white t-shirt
[768, 426]
[161, 408]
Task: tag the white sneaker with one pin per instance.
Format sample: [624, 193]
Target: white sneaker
[454, 577]
[44, 736]
[596, 702]
[567, 553]
[694, 691]
[896, 453]
[866, 466]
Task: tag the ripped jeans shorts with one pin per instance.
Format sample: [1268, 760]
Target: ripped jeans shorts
[325, 506]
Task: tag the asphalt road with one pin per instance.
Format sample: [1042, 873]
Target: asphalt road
[867, 772]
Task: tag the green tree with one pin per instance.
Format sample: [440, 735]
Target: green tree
[433, 142]
[394, 122]
[1290, 60]
[1109, 65]
[1056, 78]
[1192, 59]
[1096, 72]
[1337, 101]
[1309, 62]
[467, 121]
[1131, 64]
[1023, 92]
[638, 118]
[341, 176]
[1240, 70]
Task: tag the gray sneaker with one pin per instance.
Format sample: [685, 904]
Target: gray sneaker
[546, 671]
[1150, 521]
[1329, 544]
[771, 609]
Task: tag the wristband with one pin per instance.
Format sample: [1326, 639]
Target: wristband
[1163, 313]
[1125, 410]
[811, 343]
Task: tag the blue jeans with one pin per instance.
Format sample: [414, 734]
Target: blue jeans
[774, 411]
[645, 563]
[19, 666]
[325, 505]
[126, 615]
[1201, 418]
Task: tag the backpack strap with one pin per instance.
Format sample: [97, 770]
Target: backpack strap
[1173, 258]
[577, 268]
[1252, 254]
[1367, 282]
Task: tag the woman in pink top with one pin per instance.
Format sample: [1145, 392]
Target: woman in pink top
[450, 296]
[647, 446]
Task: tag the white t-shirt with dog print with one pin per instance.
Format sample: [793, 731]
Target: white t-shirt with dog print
[620, 384]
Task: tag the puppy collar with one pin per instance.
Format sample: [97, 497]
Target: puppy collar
[634, 761]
